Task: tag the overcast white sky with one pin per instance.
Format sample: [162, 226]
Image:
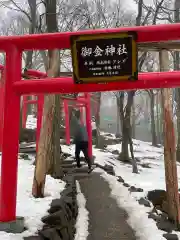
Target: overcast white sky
[129, 5]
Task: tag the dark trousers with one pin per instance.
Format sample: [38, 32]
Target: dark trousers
[82, 146]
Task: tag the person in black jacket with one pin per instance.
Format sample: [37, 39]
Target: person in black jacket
[81, 141]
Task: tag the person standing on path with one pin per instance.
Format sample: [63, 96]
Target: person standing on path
[81, 141]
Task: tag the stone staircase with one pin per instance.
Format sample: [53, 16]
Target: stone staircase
[70, 168]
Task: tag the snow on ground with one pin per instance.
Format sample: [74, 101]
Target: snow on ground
[148, 179]
[82, 218]
[27, 206]
[31, 122]
[108, 135]
[147, 154]
[138, 219]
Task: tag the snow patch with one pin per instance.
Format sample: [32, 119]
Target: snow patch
[31, 122]
[82, 219]
[27, 206]
[144, 227]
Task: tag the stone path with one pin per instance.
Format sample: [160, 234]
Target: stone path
[106, 220]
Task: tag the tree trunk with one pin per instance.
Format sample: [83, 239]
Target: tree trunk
[153, 126]
[133, 121]
[170, 160]
[118, 131]
[97, 118]
[126, 128]
[124, 155]
[127, 133]
[32, 28]
[45, 145]
[169, 148]
[157, 119]
[121, 109]
[176, 67]
[126, 115]
[177, 97]
[55, 160]
[178, 124]
[161, 123]
[29, 56]
[48, 156]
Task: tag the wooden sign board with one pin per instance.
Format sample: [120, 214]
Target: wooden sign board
[107, 57]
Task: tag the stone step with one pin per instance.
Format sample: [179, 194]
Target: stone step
[75, 170]
[68, 161]
[81, 170]
[72, 161]
[79, 176]
[68, 171]
[33, 238]
[68, 165]
[27, 150]
[25, 145]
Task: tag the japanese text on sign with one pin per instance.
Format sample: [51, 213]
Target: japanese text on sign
[111, 67]
[108, 51]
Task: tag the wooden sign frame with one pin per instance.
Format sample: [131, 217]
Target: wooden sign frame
[75, 39]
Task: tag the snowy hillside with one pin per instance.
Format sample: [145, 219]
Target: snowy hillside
[151, 176]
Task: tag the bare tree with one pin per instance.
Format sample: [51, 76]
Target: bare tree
[169, 147]
[126, 114]
[177, 93]
[29, 54]
[48, 156]
[149, 64]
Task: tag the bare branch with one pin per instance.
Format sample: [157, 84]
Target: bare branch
[17, 8]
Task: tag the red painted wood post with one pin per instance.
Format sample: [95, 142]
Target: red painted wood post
[88, 124]
[67, 125]
[1, 106]
[10, 146]
[40, 103]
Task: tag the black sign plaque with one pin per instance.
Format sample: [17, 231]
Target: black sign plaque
[104, 57]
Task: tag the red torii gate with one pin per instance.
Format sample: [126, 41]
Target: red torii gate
[15, 87]
[81, 101]
[39, 103]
